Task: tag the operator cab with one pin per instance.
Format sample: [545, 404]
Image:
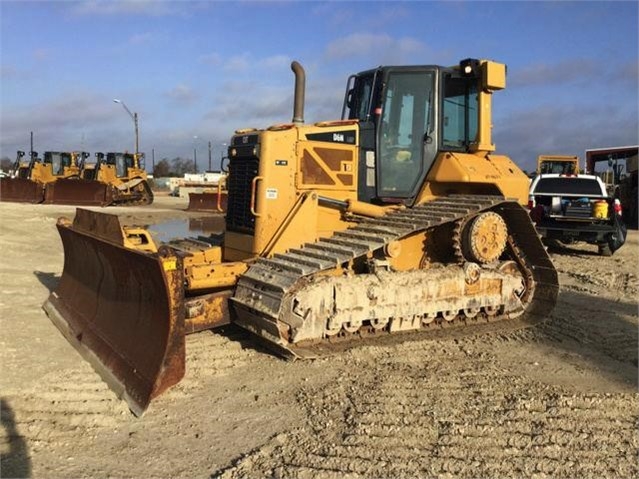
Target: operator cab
[58, 161]
[122, 163]
[407, 115]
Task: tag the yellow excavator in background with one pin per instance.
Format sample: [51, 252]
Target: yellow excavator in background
[399, 218]
[31, 179]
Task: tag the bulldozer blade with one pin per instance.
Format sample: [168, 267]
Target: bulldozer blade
[122, 309]
[78, 192]
[21, 190]
[209, 202]
[134, 192]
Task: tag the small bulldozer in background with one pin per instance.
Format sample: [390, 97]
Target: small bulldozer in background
[31, 179]
[114, 179]
[560, 164]
[212, 200]
[65, 178]
[395, 219]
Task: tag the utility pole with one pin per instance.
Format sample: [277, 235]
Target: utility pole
[134, 117]
[153, 161]
[209, 156]
[195, 159]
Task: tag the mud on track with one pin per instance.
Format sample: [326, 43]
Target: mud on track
[559, 400]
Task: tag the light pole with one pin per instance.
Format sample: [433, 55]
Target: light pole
[134, 117]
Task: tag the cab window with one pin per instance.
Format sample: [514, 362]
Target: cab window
[460, 113]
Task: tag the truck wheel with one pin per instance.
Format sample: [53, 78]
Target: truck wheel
[604, 250]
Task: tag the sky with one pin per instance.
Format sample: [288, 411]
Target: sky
[196, 71]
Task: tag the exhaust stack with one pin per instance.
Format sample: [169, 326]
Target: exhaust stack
[300, 86]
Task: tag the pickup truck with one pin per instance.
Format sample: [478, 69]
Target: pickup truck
[571, 208]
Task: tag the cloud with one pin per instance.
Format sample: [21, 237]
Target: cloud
[54, 127]
[245, 62]
[578, 70]
[212, 58]
[140, 38]
[628, 73]
[41, 54]
[385, 48]
[265, 105]
[237, 64]
[124, 7]
[336, 17]
[182, 95]
[275, 62]
[8, 72]
[525, 134]
[268, 104]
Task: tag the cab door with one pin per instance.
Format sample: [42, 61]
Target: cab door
[406, 138]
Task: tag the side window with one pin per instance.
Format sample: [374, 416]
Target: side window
[360, 98]
[460, 113]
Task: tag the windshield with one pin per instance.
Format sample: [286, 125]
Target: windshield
[405, 119]
[557, 166]
[58, 161]
[122, 162]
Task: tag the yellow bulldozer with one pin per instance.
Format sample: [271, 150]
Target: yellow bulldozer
[211, 199]
[32, 178]
[396, 219]
[562, 164]
[114, 179]
[65, 178]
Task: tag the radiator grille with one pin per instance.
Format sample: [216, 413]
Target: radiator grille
[238, 213]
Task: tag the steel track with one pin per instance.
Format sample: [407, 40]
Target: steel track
[261, 291]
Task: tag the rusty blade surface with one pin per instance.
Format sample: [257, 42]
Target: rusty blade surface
[77, 192]
[207, 202]
[122, 309]
[21, 190]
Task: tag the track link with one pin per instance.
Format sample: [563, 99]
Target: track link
[263, 295]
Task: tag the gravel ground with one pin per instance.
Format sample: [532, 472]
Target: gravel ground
[556, 400]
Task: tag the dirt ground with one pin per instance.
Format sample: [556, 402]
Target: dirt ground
[556, 400]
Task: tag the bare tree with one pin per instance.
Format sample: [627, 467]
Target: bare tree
[6, 163]
[162, 169]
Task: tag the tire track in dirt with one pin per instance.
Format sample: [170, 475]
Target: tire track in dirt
[76, 403]
[210, 355]
[448, 409]
[63, 408]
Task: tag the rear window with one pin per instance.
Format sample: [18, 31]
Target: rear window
[568, 186]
